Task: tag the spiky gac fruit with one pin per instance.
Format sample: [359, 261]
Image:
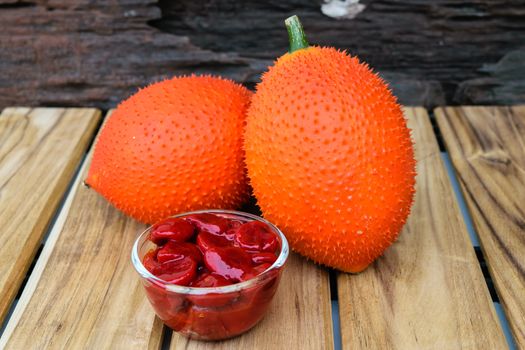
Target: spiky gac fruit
[329, 155]
[174, 146]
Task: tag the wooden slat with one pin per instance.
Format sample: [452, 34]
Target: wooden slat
[299, 317]
[39, 151]
[88, 295]
[487, 148]
[427, 291]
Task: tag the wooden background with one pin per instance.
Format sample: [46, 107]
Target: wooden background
[96, 52]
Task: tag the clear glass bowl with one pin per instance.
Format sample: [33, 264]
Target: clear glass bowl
[211, 313]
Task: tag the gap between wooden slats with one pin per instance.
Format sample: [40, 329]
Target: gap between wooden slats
[84, 292]
[39, 151]
[427, 290]
[487, 149]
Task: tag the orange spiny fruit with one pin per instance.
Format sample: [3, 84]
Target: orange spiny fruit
[329, 155]
[174, 146]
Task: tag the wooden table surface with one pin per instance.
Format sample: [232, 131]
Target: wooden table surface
[454, 279]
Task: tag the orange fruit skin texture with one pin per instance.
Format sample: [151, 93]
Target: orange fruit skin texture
[330, 157]
[172, 147]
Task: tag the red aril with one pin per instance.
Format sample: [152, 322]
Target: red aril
[206, 240]
[232, 229]
[234, 224]
[209, 222]
[210, 279]
[230, 262]
[150, 261]
[180, 272]
[171, 229]
[256, 237]
[175, 251]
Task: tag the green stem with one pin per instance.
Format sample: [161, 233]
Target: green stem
[295, 34]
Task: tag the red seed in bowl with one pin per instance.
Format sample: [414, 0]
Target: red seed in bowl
[232, 230]
[234, 224]
[171, 229]
[181, 272]
[150, 262]
[230, 262]
[206, 240]
[255, 236]
[210, 279]
[209, 222]
[175, 251]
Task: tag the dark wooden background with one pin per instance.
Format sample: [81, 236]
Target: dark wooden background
[95, 52]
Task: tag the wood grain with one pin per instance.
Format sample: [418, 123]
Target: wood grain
[36, 273]
[39, 152]
[427, 290]
[430, 51]
[299, 317]
[487, 148]
[88, 295]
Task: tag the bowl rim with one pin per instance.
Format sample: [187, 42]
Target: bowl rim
[143, 272]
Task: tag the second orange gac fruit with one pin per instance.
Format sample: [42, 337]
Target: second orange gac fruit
[329, 155]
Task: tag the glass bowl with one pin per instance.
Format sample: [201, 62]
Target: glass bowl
[211, 313]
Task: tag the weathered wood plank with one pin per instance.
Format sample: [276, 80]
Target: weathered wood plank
[39, 152]
[41, 263]
[427, 291]
[88, 294]
[299, 317]
[487, 148]
[426, 49]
